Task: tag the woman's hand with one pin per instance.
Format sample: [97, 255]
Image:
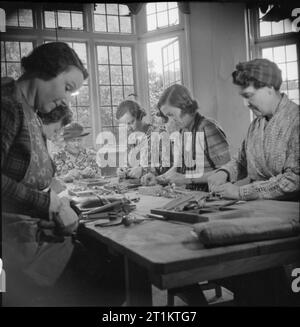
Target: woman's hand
[121, 172]
[135, 172]
[172, 176]
[228, 191]
[148, 179]
[55, 203]
[216, 179]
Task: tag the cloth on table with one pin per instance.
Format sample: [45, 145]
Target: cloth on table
[241, 230]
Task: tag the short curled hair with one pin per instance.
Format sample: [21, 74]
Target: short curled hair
[50, 59]
[132, 107]
[59, 113]
[178, 96]
[243, 80]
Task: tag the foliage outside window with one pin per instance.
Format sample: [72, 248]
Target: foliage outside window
[11, 54]
[116, 82]
[112, 18]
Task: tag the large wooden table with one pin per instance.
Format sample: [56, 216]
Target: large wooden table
[167, 255]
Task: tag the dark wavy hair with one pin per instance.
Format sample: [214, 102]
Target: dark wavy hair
[59, 113]
[132, 107]
[49, 60]
[243, 80]
[177, 96]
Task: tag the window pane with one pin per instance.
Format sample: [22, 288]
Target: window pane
[117, 94]
[292, 70]
[282, 67]
[105, 95]
[151, 22]
[49, 19]
[12, 19]
[100, 8]
[177, 71]
[161, 6]
[83, 98]
[277, 28]
[126, 56]
[112, 9]
[25, 18]
[125, 24]
[26, 48]
[12, 51]
[103, 74]
[172, 5]
[2, 52]
[279, 54]
[173, 17]
[77, 21]
[106, 116]
[84, 116]
[123, 10]
[14, 70]
[151, 8]
[162, 19]
[100, 23]
[268, 54]
[102, 55]
[128, 90]
[80, 49]
[114, 55]
[64, 19]
[293, 94]
[291, 52]
[113, 24]
[3, 69]
[116, 75]
[128, 74]
[288, 26]
[265, 28]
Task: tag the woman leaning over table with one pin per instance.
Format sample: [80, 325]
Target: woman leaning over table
[32, 253]
[177, 104]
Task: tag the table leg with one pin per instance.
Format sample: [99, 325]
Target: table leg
[138, 285]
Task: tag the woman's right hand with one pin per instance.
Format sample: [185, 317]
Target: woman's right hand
[216, 179]
[122, 172]
[148, 179]
[55, 203]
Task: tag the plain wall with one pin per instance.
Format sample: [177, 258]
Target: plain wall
[218, 43]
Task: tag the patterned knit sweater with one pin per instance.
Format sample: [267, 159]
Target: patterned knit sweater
[269, 155]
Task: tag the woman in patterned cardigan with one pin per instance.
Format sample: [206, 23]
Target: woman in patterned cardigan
[269, 155]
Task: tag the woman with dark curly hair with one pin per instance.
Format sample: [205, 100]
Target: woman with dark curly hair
[177, 104]
[37, 224]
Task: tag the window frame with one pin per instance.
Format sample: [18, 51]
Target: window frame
[257, 43]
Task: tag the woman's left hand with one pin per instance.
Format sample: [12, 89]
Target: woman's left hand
[173, 176]
[228, 191]
[135, 172]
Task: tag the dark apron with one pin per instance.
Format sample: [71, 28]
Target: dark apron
[24, 247]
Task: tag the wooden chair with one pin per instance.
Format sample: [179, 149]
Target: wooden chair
[193, 294]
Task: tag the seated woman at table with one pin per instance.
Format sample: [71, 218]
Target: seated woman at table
[32, 256]
[269, 155]
[177, 104]
[130, 113]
